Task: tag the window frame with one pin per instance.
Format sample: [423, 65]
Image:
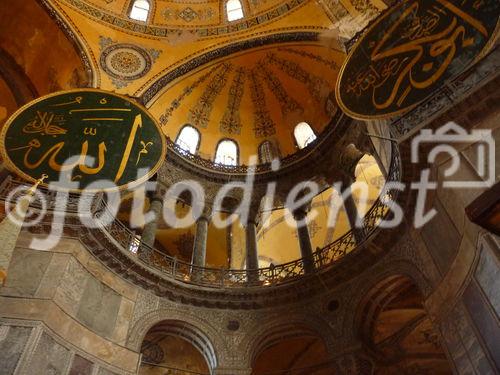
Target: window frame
[242, 8]
[237, 152]
[199, 138]
[150, 11]
[273, 148]
[295, 137]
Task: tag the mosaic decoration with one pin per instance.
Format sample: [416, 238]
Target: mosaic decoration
[200, 114]
[410, 51]
[316, 86]
[188, 14]
[128, 24]
[231, 121]
[329, 63]
[185, 93]
[263, 124]
[125, 62]
[287, 103]
[84, 136]
[312, 227]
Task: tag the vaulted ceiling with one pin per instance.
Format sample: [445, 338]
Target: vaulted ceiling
[256, 95]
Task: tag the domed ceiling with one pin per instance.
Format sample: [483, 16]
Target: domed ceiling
[257, 95]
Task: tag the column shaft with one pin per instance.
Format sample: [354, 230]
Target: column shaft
[149, 231]
[251, 244]
[200, 242]
[351, 211]
[305, 246]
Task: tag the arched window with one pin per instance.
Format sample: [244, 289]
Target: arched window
[227, 153]
[188, 139]
[267, 152]
[304, 135]
[234, 10]
[140, 10]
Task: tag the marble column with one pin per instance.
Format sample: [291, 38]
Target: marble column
[156, 208]
[351, 211]
[200, 241]
[306, 251]
[349, 159]
[252, 252]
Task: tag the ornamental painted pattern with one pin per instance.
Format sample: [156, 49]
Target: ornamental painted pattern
[287, 103]
[188, 14]
[231, 121]
[185, 93]
[200, 114]
[329, 63]
[129, 25]
[124, 62]
[317, 86]
[263, 124]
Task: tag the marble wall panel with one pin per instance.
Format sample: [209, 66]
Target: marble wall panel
[71, 287]
[26, 271]
[441, 238]
[487, 272]
[13, 340]
[49, 358]
[99, 307]
[81, 366]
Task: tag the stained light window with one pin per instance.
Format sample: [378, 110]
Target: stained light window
[140, 10]
[188, 139]
[227, 153]
[304, 135]
[234, 10]
[267, 152]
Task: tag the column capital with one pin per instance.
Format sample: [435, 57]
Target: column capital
[349, 159]
[300, 213]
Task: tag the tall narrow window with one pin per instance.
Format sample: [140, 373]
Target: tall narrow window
[267, 152]
[304, 135]
[188, 139]
[227, 153]
[234, 10]
[140, 10]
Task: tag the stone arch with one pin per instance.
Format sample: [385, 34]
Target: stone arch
[183, 324]
[390, 317]
[276, 330]
[364, 285]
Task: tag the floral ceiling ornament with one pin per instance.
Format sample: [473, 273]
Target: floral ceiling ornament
[231, 121]
[200, 114]
[263, 124]
[188, 14]
[124, 62]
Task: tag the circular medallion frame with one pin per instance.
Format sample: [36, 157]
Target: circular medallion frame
[148, 127]
[125, 61]
[359, 73]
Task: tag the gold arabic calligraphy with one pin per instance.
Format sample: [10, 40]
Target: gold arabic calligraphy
[400, 63]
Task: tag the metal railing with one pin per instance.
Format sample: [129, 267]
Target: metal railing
[173, 268]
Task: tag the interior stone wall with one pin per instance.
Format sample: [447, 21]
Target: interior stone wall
[465, 301]
[76, 302]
